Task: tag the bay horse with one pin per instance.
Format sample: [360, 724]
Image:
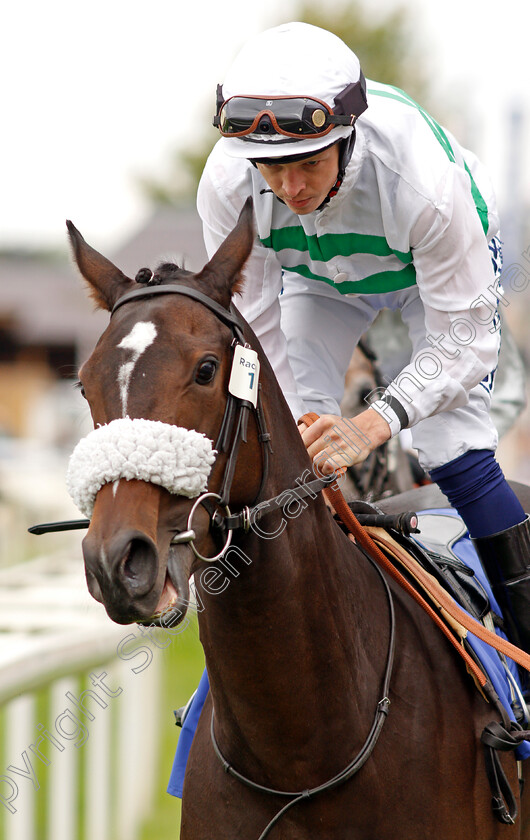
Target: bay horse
[298, 627]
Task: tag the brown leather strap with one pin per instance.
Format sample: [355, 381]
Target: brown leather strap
[442, 619]
[336, 498]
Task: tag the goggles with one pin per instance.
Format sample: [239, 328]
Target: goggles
[291, 116]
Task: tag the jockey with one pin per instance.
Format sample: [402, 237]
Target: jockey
[363, 202]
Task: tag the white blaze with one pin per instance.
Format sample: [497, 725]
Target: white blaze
[139, 339]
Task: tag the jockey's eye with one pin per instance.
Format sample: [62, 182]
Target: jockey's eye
[206, 371]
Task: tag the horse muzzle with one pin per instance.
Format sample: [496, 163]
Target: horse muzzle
[122, 573]
[127, 577]
[130, 566]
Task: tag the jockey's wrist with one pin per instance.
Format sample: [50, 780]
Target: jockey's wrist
[375, 426]
[391, 410]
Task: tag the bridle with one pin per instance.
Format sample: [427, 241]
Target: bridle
[234, 424]
[232, 432]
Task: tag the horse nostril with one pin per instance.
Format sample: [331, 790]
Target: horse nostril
[139, 566]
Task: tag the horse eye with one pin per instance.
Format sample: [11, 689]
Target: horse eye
[79, 386]
[206, 372]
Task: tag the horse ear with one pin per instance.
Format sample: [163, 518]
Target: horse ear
[223, 272]
[106, 282]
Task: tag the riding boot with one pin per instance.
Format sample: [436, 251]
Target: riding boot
[505, 557]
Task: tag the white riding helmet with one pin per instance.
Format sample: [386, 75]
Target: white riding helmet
[292, 90]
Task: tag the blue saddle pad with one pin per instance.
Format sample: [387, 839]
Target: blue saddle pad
[189, 725]
[488, 657]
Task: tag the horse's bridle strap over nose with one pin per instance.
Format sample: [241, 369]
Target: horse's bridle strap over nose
[178, 459]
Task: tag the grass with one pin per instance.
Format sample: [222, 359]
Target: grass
[183, 663]
[182, 669]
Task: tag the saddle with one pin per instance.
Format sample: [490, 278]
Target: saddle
[431, 543]
[439, 544]
[434, 548]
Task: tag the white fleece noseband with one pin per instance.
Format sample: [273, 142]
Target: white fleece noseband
[175, 458]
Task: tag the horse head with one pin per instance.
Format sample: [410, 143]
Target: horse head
[157, 388]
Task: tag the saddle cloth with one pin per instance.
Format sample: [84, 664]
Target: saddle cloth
[443, 533]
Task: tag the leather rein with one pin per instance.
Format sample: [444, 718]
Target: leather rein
[232, 432]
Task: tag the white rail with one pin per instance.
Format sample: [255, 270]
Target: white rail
[78, 710]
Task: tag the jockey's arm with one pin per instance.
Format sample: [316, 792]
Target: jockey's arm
[453, 269]
[219, 202]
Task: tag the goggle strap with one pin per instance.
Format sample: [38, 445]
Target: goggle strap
[352, 100]
[219, 101]
[340, 119]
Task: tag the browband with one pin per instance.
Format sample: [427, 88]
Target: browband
[228, 316]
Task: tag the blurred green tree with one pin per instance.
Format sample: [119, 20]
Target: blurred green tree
[389, 50]
[388, 46]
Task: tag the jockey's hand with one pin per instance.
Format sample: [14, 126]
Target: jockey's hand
[333, 442]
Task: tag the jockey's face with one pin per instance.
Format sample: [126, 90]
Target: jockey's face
[303, 185]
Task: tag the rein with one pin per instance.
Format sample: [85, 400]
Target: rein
[241, 408]
[232, 432]
[356, 763]
[364, 540]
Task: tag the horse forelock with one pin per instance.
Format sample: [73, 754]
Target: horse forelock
[170, 272]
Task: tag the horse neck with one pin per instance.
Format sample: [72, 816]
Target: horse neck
[288, 557]
[283, 623]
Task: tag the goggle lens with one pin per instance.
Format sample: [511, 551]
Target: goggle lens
[292, 116]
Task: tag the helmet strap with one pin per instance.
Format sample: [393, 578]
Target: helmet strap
[345, 153]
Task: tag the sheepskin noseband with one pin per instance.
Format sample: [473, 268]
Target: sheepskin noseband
[176, 458]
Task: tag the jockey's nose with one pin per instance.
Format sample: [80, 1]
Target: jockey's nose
[293, 182]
